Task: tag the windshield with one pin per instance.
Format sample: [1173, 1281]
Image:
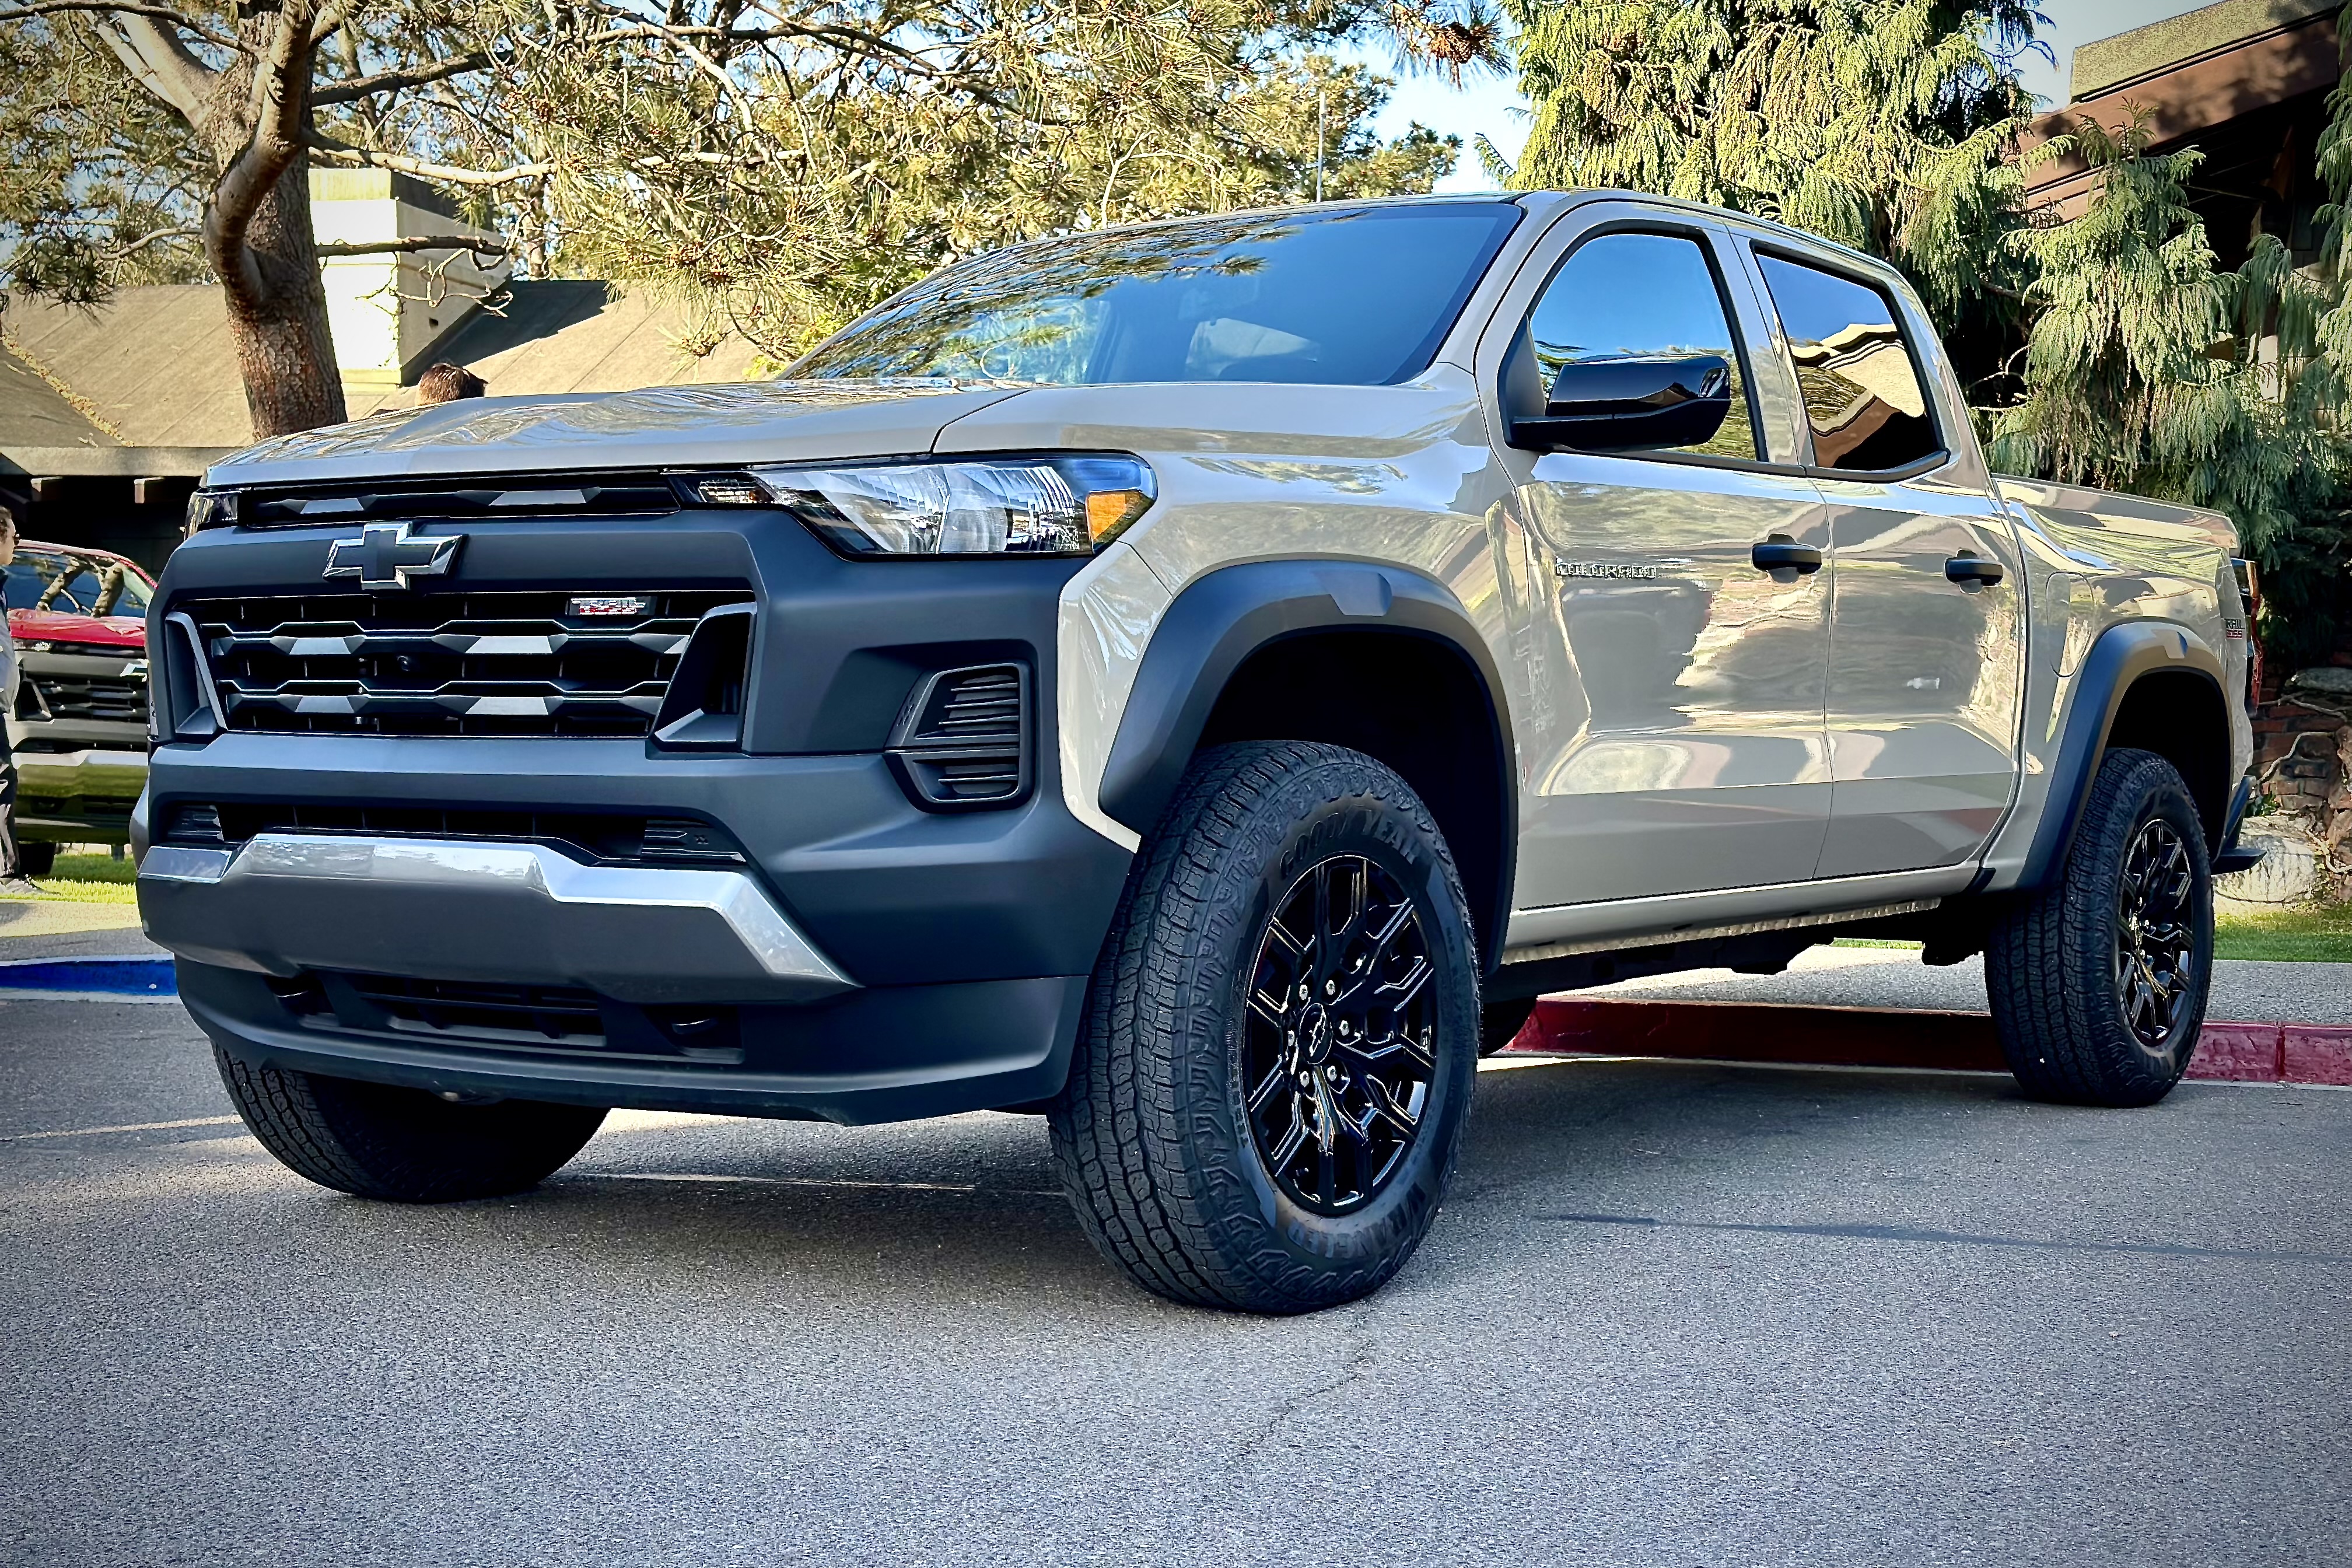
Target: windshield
[1360, 297]
[74, 584]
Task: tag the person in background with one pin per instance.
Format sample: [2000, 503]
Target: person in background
[447, 382]
[12, 875]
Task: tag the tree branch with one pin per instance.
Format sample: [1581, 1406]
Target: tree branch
[158, 61]
[349, 157]
[353, 89]
[151, 236]
[476, 244]
[279, 109]
[180, 19]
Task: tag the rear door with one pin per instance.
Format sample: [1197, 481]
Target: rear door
[1674, 741]
[1926, 651]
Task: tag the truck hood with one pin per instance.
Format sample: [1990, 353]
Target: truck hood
[126, 632]
[660, 428]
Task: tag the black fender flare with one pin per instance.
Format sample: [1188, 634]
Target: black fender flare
[1223, 616]
[2120, 656]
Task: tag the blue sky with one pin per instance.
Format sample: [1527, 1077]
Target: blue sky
[1495, 107]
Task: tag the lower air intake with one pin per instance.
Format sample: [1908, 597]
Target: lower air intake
[964, 741]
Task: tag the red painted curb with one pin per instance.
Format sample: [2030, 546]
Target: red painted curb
[1861, 1037]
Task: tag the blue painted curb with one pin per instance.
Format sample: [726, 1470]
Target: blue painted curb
[126, 976]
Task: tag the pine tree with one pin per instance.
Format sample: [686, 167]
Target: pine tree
[1877, 123]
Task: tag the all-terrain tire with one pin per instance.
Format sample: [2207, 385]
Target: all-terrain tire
[2067, 970]
[1172, 1144]
[402, 1145]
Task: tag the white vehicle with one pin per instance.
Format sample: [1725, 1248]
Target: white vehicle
[1198, 681]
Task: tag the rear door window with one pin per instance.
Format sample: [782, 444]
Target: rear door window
[1864, 398]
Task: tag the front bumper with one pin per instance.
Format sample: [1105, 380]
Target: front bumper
[889, 1053]
[876, 961]
[865, 960]
[77, 797]
[525, 913]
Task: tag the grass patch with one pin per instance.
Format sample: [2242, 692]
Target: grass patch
[2314, 934]
[88, 879]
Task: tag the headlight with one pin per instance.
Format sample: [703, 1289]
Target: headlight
[1002, 506]
[211, 508]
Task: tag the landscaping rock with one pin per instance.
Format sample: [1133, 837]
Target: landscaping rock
[2289, 872]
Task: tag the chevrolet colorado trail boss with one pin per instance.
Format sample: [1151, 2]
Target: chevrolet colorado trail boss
[1199, 681]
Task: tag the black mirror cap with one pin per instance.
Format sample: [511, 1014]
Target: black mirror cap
[1619, 405]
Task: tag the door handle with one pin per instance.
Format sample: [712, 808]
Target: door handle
[1974, 572]
[1781, 553]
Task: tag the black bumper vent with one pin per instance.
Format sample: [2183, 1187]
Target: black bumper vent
[511, 1018]
[447, 664]
[964, 740]
[613, 837]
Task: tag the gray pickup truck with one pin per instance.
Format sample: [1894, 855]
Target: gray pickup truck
[1198, 682]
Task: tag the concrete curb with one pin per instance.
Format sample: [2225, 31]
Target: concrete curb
[1861, 1037]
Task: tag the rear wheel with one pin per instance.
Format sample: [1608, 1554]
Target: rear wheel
[402, 1145]
[1266, 1100]
[2098, 983]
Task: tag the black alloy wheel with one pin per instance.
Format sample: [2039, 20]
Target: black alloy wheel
[1268, 1094]
[2098, 977]
[1342, 1024]
[2156, 936]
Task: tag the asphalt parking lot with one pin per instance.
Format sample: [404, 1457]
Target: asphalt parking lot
[1673, 1314]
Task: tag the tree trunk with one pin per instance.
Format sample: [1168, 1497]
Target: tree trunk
[285, 352]
[268, 265]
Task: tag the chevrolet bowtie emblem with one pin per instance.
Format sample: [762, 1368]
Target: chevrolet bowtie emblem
[385, 556]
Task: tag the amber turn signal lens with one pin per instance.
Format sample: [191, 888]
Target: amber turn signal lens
[1110, 513]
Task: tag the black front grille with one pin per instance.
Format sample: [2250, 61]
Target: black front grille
[512, 663]
[627, 838]
[515, 495]
[110, 699]
[963, 740]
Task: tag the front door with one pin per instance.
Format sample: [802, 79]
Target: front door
[1676, 741]
[1925, 644]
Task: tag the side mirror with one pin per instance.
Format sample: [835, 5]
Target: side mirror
[1621, 405]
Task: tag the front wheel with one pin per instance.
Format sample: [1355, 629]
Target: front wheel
[2098, 983]
[403, 1145]
[1266, 1101]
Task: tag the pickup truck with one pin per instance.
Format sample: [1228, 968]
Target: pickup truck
[77, 722]
[1198, 682]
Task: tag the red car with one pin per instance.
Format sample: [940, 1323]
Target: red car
[78, 725]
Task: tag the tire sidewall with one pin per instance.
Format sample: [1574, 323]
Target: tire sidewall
[1336, 808]
[2151, 789]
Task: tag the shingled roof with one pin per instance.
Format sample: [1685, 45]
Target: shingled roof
[156, 367]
